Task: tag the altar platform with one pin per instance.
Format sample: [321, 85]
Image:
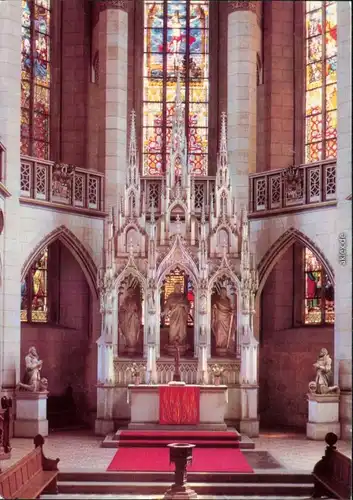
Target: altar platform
[155, 407]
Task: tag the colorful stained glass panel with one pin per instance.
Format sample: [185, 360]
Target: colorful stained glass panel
[41, 99]
[331, 148]
[331, 124]
[314, 49]
[331, 70]
[314, 128]
[331, 97]
[314, 75]
[176, 41]
[314, 101]
[319, 291]
[25, 94]
[314, 23]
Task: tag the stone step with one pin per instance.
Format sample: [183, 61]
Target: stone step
[195, 477]
[153, 488]
[158, 497]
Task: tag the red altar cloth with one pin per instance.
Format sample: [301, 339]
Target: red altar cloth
[179, 405]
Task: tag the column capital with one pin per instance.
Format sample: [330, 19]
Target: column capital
[236, 5]
[113, 4]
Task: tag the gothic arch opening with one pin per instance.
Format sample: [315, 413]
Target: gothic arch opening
[295, 320]
[60, 317]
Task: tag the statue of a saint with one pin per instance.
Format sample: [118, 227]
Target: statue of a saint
[222, 321]
[32, 380]
[323, 380]
[129, 320]
[177, 306]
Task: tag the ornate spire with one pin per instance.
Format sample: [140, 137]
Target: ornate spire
[222, 163]
[133, 177]
[178, 155]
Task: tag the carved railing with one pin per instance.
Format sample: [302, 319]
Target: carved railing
[165, 371]
[46, 182]
[293, 188]
[153, 187]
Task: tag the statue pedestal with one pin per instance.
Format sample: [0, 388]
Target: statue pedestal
[323, 416]
[31, 414]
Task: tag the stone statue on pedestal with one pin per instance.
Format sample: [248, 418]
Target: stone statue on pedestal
[222, 322]
[32, 380]
[129, 320]
[177, 306]
[322, 383]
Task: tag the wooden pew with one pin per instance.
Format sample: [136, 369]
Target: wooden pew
[332, 474]
[32, 475]
[5, 447]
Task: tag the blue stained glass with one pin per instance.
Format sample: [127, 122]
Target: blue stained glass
[176, 15]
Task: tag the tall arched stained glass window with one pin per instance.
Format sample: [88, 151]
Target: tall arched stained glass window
[175, 40]
[35, 78]
[321, 81]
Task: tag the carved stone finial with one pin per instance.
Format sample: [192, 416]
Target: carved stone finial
[131, 248]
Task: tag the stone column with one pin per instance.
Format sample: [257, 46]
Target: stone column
[113, 80]
[243, 45]
[10, 119]
[343, 268]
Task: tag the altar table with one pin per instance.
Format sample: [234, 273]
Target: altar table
[146, 406]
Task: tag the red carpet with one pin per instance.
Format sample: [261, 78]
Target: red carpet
[154, 439]
[157, 460]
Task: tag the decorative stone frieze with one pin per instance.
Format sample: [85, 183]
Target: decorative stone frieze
[234, 6]
[113, 4]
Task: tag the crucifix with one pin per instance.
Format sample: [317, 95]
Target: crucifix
[177, 376]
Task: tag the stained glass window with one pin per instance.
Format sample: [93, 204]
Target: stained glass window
[176, 40]
[179, 277]
[321, 81]
[34, 292]
[35, 78]
[319, 292]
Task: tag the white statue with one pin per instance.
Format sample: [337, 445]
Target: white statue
[32, 380]
[129, 320]
[222, 321]
[177, 306]
[323, 380]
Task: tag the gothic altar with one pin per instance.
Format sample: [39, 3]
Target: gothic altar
[177, 270]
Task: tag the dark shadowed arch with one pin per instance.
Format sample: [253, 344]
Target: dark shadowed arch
[278, 249]
[74, 245]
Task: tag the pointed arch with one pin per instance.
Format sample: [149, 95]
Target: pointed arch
[72, 243]
[279, 248]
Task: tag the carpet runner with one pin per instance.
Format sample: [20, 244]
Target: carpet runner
[146, 451]
[139, 459]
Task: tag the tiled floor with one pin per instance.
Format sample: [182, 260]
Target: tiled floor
[81, 450]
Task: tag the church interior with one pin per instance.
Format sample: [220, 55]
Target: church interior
[175, 249]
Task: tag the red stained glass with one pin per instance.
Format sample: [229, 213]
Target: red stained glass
[41, 127]
[40, 149]
[35, 69]
[321, 90]
[314, 128]
[319, 292]
[25, 94]
[24, 143]
[331, 148]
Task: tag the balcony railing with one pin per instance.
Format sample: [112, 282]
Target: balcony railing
[61, 185]
[293, 188]
[202, 190]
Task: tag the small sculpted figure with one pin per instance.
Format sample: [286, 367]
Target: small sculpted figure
[32, 380]
[323, 380]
